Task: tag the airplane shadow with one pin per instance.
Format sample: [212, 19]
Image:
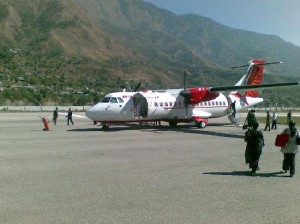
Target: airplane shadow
[188, 129]
[246, 173]
[124, 127]
[85, 129]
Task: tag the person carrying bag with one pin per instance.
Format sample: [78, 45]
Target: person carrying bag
[290, 149]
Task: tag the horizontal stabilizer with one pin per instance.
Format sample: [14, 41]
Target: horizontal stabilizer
[224, 88]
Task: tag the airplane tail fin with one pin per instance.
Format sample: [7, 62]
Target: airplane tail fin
[253, 76]
[254, 73]
[250, 97]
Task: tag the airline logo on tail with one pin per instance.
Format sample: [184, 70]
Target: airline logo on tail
[255, 72]
[253, 77]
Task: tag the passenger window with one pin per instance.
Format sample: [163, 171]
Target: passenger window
[166, 104]
[170, 103]
[156, 104]
[161, 104]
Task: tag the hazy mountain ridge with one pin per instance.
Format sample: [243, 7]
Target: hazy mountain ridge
[98, 44]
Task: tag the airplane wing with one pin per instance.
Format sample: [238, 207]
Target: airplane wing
[225, 88]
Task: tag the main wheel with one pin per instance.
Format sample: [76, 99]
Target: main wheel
[200, 124]
[173, 124]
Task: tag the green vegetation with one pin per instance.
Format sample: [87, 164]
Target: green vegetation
[3, 11]
[45, 57]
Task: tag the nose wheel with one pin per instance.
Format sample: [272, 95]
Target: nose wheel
[105, 127]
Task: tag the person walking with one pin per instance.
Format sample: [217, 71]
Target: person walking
[255, 143]
[251, 119]
[233, 108]
[55, 115]
[268, 121]
[69, 116]
[274, 120]
[291, 149]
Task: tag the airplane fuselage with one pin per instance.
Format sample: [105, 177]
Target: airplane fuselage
[148, 106]
[183, 105]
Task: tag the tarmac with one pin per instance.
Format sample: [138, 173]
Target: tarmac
[139, 174]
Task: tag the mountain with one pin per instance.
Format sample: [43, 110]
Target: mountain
[62, 51]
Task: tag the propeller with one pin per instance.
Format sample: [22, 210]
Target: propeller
[185, 93]
[128, 88]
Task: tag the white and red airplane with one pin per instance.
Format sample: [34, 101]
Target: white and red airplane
[182, 105]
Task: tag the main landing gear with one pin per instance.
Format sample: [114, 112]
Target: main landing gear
[200, 124]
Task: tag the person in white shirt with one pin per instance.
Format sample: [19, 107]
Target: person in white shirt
[274, 120]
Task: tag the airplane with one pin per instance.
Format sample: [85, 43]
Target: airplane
[197, 104]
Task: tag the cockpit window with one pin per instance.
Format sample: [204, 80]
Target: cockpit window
[120, 100]
[113, 100]
[106, 100]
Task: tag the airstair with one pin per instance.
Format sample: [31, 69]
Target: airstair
[234, 119]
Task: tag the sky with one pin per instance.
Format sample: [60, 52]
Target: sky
[277, 17]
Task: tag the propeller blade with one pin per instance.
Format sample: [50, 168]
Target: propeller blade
[137, 87]
[128, 88]
[185, 93]
[184, 79]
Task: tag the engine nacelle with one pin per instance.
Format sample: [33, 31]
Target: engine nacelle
[202, 94]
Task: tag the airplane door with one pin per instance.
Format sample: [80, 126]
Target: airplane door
[140, 106]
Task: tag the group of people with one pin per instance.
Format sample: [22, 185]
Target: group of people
[69, 116]
[251, 119]
[255, 142]
[268, 121]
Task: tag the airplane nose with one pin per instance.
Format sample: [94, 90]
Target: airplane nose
[90, 113]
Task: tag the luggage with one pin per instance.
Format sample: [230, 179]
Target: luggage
[281, 140]
[298, 140]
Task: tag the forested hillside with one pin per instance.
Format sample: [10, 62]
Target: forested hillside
[73, 52]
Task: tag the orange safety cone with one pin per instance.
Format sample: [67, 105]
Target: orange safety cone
[46, 124]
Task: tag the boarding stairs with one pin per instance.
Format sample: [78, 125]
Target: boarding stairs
[234, 119]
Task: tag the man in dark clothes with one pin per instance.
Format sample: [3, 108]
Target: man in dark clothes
[268, 121]
[69, 116]
[233, 108]
[55, 115]
[255, 142]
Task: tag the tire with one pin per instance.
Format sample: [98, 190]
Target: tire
[200, 124]
[173, 124]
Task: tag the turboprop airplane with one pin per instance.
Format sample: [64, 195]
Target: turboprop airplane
[196, 104]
